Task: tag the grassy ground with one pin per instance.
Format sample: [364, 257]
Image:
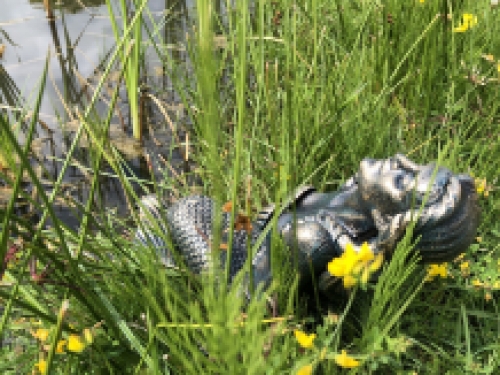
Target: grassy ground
[298, 93]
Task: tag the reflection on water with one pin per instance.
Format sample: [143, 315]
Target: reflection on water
[78, 40]
[74, 6]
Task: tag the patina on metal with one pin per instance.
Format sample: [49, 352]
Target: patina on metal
[376, 206]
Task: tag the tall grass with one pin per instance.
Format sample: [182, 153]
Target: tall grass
[131, 55]
[299, 94]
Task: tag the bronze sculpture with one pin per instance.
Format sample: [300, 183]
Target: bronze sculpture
[375, 206]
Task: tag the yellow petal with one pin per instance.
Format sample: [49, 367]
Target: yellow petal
[377, 263]
[60, 346]
[305, 370]
[305, 340]
[365, 253]
[349, 281]
[41, 334]
[469, 19]
[460, 29]
[350, 259]
[443, 270]
[336, 267]
[343, 360]
[42, 366]
[75, 344]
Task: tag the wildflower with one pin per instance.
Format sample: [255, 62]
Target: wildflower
[41, 366]
[464, 266]
[343, 360]
[477, 283]
[305, 340]
[480, 185]
[353, 267]
[60, 346]
[41, 334]
[305, 370]
[75, 344]
[468, 22]
[421, 1]
[496, 285]
[437, 270]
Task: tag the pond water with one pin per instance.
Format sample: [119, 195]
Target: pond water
[79, 39]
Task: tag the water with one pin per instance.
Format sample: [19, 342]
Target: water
[78, 39]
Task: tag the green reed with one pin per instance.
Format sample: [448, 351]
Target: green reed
[131, 65]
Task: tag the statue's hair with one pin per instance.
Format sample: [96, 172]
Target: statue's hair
[444, 228]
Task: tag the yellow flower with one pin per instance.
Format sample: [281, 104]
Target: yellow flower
[437, 270]
[60, 346]
[477, 283]
[351, 265]
[468, 22]
[498, 67]
[41, 334]
[488, 297]
[343, 360]
[75, 344]
[496, 285]
[305, 340]
[421, 1]
[42, 366]
[464, 266]
[469, 19]
[305, 370]
[480, 185]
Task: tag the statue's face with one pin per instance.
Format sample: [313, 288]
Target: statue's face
[388, 184]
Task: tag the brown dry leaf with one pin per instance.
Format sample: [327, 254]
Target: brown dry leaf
[243, 223]
[2, 49]
[228, 206]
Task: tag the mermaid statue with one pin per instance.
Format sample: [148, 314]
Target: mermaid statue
[376, 206]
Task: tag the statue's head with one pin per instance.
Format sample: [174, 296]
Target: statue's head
[393, 191]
